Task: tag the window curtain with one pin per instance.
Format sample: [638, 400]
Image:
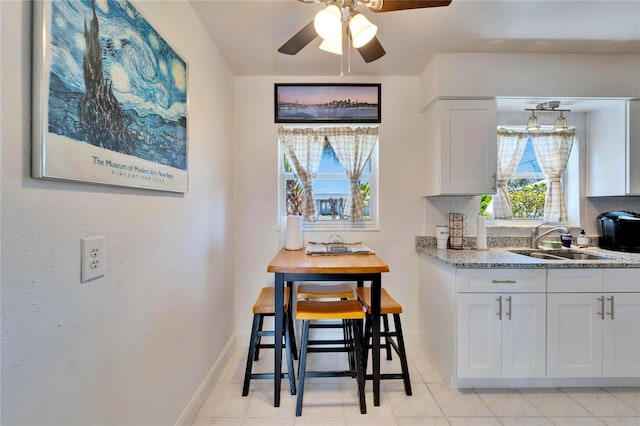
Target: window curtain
[353, 147]
[303, 148]
[552, 151]
[511, 145]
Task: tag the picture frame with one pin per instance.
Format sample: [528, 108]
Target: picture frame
[109, 98]
[327, 103]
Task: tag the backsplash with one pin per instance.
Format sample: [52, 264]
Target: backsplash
[437, 213]
[423, 242]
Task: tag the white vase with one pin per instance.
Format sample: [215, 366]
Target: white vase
[294, 239]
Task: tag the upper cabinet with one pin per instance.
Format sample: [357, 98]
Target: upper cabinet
[613, 150]
[459, 147]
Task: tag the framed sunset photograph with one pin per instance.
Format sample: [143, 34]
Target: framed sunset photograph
[327, 103]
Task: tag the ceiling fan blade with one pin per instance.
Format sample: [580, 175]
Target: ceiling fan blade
[391, 5]
[372, 50]
[299, 40]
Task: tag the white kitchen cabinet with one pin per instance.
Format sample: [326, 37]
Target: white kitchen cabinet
[621, 335]
[501, 335]
[500, 324]
[574, 335]
[594, 332]
[613, 149]
[459, 147]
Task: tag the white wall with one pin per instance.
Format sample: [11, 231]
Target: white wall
[257, 236]
[132, 347]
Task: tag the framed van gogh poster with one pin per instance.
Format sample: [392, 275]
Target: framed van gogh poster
[109, 97]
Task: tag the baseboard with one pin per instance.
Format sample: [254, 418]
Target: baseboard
[190, 412]
[546, 382]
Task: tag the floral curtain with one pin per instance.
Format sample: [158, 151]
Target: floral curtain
[303, 148]
[511, 145]
[353, 147]
[552, 151]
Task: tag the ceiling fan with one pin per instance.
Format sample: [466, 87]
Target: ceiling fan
[328, 24]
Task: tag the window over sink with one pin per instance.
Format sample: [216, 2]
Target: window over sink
[531, 175]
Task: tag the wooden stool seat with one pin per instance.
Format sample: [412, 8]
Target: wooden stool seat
[340, 309]
[352, 313]
[388, 305]
[265, 303]
[329, 291]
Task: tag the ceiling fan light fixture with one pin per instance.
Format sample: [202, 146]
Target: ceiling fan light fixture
[333, 45]
[328, 22]
[361, 29]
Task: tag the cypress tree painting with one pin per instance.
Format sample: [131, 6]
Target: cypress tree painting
[115, 91]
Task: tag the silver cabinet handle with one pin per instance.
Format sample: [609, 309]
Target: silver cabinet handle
[611, 314]
[499, 300]
[495, 181]
[601, 313]
[504, 281]
[509, 308]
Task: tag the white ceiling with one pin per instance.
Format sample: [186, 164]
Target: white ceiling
[249, 32]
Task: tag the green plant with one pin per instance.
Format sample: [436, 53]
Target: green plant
[484, 203]
[365, 193]
[527, 197]
[295, 198]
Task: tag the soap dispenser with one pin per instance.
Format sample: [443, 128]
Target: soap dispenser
[583, 240]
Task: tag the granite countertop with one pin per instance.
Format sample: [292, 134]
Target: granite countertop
[501, 257]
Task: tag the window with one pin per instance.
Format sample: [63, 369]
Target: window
[331, 188]
[531, 169]
[527, 186]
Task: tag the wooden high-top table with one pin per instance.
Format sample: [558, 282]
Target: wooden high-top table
[296, 265]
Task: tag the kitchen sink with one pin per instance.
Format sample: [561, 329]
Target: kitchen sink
[559, 254]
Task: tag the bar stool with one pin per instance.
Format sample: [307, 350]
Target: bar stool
[387, 306]
[352, 312]
[264, 306]
[314, 291]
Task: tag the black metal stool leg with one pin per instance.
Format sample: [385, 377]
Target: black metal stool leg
[302, 366]
[402, 354]
[287, 344]
[259, 339]
[385, 333]
[358, 359]
[250, 356]
[365, 342]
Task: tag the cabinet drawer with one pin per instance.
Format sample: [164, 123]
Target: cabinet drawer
[575, 280]
[622, 280]
[501, 280]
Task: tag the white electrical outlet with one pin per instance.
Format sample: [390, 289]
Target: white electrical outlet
[92, 258]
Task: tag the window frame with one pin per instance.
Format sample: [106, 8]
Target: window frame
[333, 225]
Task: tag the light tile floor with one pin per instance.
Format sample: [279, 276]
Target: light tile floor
[333, 401]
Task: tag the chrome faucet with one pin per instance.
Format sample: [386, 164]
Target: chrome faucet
[536, 236]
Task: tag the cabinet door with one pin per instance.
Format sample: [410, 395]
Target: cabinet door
[468, 146]
[524, 335]
[478, 335]
[574, 334]
[621, 335]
